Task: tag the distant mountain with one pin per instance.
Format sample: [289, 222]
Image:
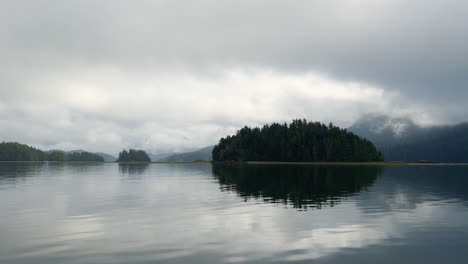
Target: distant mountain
[73, 151]
[157, 157]
[403, 140]
[106, 157]
[201, 154]
[382, 130]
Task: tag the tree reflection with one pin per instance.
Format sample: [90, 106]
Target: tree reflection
[132, 169]
[303, 187]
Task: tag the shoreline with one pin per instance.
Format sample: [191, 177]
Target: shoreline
[256, 163]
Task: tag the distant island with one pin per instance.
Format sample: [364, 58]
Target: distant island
[299, 141]
[133, 155]
[13, 151]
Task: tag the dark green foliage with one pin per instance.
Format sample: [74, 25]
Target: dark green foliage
[133, 155]
[12, 151]
[298, 141]
[82, 156]
[303, 187]
[56, 155]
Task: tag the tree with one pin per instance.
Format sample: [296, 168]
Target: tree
[13, 151]
[298, 141]
[133, 155]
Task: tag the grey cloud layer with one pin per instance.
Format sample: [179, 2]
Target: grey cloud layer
[415, 49]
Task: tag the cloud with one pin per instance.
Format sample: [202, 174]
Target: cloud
[175, 111]
[156, 74]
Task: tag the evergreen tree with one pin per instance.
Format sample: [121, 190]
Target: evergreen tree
[57, 155]
[13, 151]
[133, 155]
[298, 141]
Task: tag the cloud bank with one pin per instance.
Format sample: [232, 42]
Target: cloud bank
[170, 75]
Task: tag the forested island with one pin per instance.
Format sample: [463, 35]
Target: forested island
[299, 141]
[13, 151]
[133, 155]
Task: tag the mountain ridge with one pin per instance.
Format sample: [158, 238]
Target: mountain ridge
[204, 154]
[441, 143]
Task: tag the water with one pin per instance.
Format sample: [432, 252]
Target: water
[196, 213]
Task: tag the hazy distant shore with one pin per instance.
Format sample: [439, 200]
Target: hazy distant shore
[264, 163]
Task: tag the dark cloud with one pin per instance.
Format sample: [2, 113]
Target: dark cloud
[110, 61]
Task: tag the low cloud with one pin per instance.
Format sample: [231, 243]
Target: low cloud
[165, 75]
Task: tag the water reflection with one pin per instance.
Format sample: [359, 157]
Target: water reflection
[12, 173]
[176, 213]
[132, 169]
[302, 187]
[405, 188]
[19, 169]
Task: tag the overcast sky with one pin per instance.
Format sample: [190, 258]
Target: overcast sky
[175, 75]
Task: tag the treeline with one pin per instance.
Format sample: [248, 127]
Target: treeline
[57, 155]
[12, 151]
[299, 141]
[133, 155]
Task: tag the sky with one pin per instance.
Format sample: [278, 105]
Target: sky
[178, 75]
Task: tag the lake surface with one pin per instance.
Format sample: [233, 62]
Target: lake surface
[196, 213]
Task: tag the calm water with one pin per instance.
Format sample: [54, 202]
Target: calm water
[196, 213]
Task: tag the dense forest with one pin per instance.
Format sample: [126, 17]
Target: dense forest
[298, 141]
[12, 151]
[133, 155]
[58, 155]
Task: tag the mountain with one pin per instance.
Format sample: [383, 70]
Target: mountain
[401, 139]
[106, 157]
[201, 154]
[157, 157]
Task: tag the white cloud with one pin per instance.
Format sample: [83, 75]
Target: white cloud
[156, 74]
[111, 109]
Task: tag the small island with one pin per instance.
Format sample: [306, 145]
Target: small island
[133, 155]
[299, 141]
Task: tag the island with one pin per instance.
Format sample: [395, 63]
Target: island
[133, 155]
[299, 141]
